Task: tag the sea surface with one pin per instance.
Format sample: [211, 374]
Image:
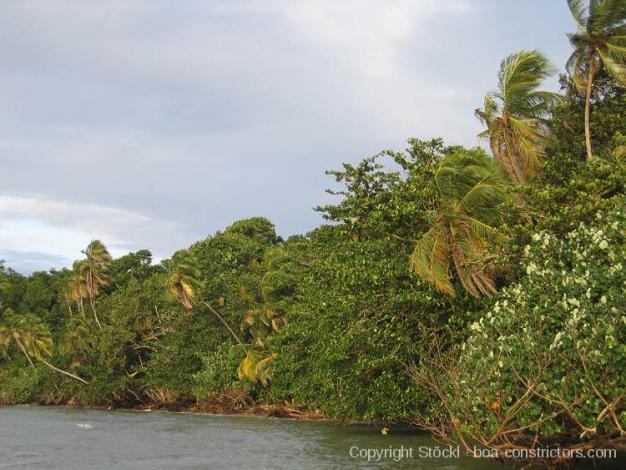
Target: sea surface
[34, 437]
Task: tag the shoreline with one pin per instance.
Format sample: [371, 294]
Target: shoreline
[260, 410]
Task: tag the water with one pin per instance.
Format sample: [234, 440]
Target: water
[59, 438]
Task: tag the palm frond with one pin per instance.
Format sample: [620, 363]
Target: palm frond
[579, 12]
[430, 260]
[616, 69]
[484, 196]
[520, 74]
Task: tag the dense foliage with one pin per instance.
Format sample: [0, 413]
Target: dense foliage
[482, 296]
[551, 351]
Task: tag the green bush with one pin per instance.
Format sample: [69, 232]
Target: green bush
[546, 361]
[219, 371]
[20, 385]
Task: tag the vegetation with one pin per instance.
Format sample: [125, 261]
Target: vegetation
[470, 191]
[600, 43]
[481, 296]
[516, 115]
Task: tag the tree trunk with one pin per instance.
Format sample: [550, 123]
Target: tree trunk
[21, 346]
[95, 315]
[588, 110]
[223, 321]
[56, 369]
[517, 173]
[61, 371]
[93, 303]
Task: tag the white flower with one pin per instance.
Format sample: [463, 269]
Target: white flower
[574, 302]
[603, 299]
[603, 245]
[531, 268]
[537, 237]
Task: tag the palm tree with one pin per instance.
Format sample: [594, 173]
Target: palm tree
[32, 338]
[183, 283]
[183, 280]
[76, 290]
[516, 115]
[94, 270]
[470, 189]
[599, 43]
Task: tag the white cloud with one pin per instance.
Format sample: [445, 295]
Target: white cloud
[30, 224]
[152, 123]
[364, 34]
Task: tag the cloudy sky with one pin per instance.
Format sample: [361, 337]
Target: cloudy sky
[150, 124]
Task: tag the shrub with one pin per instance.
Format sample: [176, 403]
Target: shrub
[545, 364]
[219, 371]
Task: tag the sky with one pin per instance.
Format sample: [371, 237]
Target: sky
[152, 124]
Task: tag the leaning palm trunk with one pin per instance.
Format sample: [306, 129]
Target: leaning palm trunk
[214, 312]
[95, 314]
[93, 304]
[599, 44]
[588, 111]
[47, 364]
[64, 372]
[23, 349]
[513, 165]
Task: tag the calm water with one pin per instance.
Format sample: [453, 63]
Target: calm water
[58, 438]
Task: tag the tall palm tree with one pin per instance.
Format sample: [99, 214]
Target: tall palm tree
[94, 270]
[516, 115]
[183, 283]
[77, 289]
[599, 43]
[32, 338]
[470, 189]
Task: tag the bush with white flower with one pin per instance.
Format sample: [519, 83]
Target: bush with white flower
[546, 365]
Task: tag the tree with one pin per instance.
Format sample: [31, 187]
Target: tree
[470, 189]
[94, 270]
[600, 42]
[516, 115]
[4, 281]
[183, 279]
[76, 290]
[32, 338]
[183, 282]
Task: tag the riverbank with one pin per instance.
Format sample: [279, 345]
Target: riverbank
[233, 405]
[221, 407]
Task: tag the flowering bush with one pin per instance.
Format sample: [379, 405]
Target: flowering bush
[545, 364]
